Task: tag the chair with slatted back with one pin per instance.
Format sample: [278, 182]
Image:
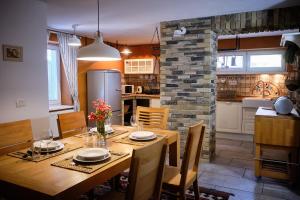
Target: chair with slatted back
[15, 135]
[145, 175]
[177, 180]
[70, 124]
[152, 117]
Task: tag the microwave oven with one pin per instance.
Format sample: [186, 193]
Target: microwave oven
[127, 89]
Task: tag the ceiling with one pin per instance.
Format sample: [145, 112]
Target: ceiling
[134, 21]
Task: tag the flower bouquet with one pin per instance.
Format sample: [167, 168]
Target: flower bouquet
[102, 112]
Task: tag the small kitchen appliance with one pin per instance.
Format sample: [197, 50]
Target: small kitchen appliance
[127, 89]
[139, 90]
[283, 105]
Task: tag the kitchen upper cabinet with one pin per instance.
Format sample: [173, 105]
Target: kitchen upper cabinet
[139, 66]
[229, 117]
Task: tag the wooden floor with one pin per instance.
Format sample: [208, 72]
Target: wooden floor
[233, 171]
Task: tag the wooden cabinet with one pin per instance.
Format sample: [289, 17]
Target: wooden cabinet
[139, 66]
[229, 117]
[277, 133]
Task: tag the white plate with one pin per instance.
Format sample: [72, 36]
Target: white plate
[142, 134]
[142, 139]
[53, 146]
[108, 129]
[91, 154]
[76, 158]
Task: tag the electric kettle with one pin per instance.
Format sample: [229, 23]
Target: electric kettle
[283, 105]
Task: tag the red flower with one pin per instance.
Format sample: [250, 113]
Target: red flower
[102, 111]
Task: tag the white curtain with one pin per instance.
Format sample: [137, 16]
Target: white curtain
[69, 55]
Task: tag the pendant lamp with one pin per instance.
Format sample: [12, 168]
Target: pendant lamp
[126, 51]
[74, 40]
[98, 51]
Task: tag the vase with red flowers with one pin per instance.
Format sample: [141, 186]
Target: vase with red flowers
[102, 112]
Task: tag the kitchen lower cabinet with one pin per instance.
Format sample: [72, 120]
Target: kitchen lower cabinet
[229, 117]
[248, 120]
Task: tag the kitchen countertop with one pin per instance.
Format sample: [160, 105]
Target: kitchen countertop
[239, 98]
[140, 96]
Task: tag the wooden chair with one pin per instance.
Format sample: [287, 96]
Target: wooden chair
[146, 173]
[70, 124]
[152, 117]
[15, 135]
[178, 180]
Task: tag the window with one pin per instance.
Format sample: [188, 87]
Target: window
[53, 59]
[265, 61]
[230, 61]
[250, 61]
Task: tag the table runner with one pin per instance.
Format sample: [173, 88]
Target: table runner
[127, 140]
[67, 148]
[68, 163]
[115, 133]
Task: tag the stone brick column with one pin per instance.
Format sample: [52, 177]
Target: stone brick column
[187, 78]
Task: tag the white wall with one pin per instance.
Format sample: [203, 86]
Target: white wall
[23, 23]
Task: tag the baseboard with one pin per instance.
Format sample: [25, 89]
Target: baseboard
[235, 136]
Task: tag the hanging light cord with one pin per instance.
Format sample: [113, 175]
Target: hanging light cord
[157, 35]
[98, 30]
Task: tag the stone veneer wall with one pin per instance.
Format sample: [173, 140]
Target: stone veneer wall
[187, 78]
[188, 64]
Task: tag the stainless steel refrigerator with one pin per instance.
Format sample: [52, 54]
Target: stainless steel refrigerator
[105, 84]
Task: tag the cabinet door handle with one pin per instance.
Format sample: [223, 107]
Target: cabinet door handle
[118, 90]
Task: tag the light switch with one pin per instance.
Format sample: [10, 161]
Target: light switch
[20, 103]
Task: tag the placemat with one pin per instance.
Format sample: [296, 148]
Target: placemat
[67, 148]
[127, 140]
[115, 133]
[68, 163]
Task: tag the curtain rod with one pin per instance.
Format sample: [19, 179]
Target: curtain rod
[59, 31]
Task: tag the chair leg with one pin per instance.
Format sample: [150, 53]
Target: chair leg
[182, 195]
[196, 189]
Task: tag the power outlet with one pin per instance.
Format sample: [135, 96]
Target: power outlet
[20, 103]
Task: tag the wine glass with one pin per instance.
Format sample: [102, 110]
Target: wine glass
[133, 122]
[46, 138]
[107, 125]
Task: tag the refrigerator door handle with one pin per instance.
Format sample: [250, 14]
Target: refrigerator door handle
[118, 90]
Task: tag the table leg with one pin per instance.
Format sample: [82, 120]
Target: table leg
[257, 160]
[174, 152]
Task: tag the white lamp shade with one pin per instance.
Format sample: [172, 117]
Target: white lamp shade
[98, 51]
[74, 41]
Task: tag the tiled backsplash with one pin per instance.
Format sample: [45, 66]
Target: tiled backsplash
[229, 86]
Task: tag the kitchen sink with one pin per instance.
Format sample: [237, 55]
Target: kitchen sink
[255, 102]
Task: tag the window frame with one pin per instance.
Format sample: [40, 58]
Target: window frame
[55, 102]
[246, 62]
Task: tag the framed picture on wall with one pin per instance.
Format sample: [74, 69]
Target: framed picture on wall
[12, 53]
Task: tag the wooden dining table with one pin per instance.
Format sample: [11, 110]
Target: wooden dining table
[25, 179]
